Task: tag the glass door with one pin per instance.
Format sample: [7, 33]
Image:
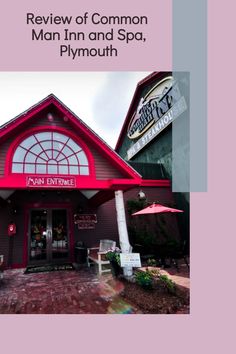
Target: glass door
[48, 241]
[60, 245]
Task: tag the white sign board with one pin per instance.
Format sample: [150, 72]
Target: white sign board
[177, 109]
[130, 260]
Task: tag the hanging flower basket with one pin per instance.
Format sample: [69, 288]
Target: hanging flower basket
[113, 255]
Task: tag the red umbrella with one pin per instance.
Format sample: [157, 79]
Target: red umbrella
[157, 208]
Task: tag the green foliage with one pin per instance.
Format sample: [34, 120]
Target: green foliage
[154, 272]
[147, 240]
[134, 205]
[144, 279]
[168, 283]
[113, 256]
[151, 262]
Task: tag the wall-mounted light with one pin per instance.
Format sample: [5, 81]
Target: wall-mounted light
[141, 195]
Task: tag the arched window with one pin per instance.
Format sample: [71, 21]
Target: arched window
[50, 153]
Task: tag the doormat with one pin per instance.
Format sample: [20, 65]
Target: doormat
[49, 268]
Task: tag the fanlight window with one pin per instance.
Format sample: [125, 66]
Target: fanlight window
[50, 153]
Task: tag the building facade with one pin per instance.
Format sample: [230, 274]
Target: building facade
[155, 137]
[59, 184]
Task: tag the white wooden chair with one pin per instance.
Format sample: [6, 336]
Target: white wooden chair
[97, 255]
[1, 266]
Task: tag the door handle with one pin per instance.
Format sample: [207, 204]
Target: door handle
[49, 235]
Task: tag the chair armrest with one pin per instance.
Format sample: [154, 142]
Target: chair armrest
[102, 252]
[92, 249]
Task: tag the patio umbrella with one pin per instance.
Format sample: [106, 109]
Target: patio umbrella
[156, 208]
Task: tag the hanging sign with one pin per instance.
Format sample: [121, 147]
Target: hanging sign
[85, 218]
[85, 221]
[55, 182]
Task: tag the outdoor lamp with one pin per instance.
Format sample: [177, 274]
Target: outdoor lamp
[142, 195]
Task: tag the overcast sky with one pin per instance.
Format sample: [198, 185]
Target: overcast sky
[100, 99]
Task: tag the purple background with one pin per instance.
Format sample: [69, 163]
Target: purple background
[208, 329]
[21, 53]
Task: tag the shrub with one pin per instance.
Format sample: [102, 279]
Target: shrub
[151, 262]
[144, 279]
[154, 272]
[168, 283]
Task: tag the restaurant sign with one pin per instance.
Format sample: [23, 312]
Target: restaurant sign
[46, 182]
[151, 107]
[168, 108]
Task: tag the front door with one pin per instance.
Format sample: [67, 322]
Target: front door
[48, 236]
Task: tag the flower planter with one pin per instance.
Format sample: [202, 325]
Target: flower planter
[115, 269]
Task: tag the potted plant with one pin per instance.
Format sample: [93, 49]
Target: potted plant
[113, 255]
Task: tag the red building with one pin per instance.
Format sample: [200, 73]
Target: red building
[57, 186]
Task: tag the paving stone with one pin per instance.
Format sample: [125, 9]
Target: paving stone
[60, 292]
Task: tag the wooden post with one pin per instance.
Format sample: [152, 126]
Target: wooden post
[122, 229]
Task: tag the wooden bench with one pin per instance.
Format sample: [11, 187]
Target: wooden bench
[97, 255]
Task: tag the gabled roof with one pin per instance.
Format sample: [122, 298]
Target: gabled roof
[9, 128]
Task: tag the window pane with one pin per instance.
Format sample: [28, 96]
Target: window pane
[60, 137]
[56, 153]
[46, 145]
[52, 169]
[74, 170]
[44, 156]
[75, 147]
[19, 155]
[36, 149]
[63, 170]
[73, 160]
[84, 171]
[27, 143]
[67, 151]
[30, 157]
[63, 162]
[44, 136]
[16, 167]
[61, 157]
[40, 168]
[29, 168]
[57, 145]
[82, 158]
[52, 162]
[49, 154]
[39, 160]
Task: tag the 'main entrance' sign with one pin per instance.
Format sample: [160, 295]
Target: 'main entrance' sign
[42, 181]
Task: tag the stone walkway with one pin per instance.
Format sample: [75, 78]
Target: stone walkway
[61, 292]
